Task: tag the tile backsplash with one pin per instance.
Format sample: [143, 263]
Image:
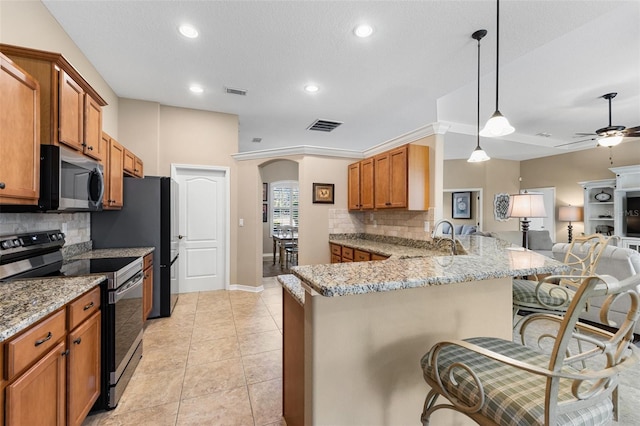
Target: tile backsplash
[76, 226]
[390, 223]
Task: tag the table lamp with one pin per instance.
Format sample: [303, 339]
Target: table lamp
[570, 214]
[526, 206]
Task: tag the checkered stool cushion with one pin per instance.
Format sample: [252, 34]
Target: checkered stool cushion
[513, 396]
[524, 294]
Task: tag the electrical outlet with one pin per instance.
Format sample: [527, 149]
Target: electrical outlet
[426, 226]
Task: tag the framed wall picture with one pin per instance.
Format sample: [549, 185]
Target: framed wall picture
[265, 191]
[265, 212]
[323, 193]
[501, 207]
[461, 205]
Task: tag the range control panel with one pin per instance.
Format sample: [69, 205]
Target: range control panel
[32, 240]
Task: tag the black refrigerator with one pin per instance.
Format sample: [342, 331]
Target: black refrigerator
[149, 217]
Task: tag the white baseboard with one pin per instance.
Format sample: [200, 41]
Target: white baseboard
[248, 288]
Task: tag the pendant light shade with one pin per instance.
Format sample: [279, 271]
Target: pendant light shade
[610, 140]
[497, 125]
[478, 155]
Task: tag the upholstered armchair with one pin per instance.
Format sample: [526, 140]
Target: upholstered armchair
[500, 382]
[582, 257]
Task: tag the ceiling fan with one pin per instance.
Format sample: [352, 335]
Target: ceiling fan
[611, 135]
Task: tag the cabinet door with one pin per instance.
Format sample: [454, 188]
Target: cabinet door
[93, 146]
[19, 136]
[116, 164]
[84, 369]
[382, 166]
[38, 396]
[398, 177]
[129, 162]
[147, 293]
[71, 112]
[138, 169]
[354, 186]
[366, 184]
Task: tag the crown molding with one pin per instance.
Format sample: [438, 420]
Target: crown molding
[297, 150]
[437, 128]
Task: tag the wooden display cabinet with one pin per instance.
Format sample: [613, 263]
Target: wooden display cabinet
[19, 135]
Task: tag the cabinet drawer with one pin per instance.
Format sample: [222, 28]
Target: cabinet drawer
[347, 253]
[148, 261]
[84, 307]
[34, 343]
[378, 257]
[362, 256]
[335, 259]
[345, 260]
[336, 249]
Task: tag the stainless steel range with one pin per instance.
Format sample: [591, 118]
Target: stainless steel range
[38, 254]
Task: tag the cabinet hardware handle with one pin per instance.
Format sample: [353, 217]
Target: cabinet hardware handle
[2, 185]
[89, 306]
[90, 148]
[44, 339]
[77, 341]
[65, 353]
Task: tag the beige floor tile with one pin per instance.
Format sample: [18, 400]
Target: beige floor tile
[206, 331]
[205, 351]
[159, 338]
[183, 309]
[275, 308]
[272, 292]
[260, 342]
[203, 379]
[217, 315]
[266, 401]
[278, 320]
[251, 311]
[247, 325]
[230, 407]
[263, 366]
[161, 415]
[270, 282]
[170, 357]
[187, 299]
[150, 390]
[179, 321]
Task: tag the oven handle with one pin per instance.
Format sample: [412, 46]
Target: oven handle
[130, 285]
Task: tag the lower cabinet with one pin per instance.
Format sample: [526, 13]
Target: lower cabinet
[52, 370]
[37, 397]
[147, 287]
[292, 360]
[343, 254]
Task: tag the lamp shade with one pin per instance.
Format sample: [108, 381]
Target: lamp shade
[526, 205]
[570, 214]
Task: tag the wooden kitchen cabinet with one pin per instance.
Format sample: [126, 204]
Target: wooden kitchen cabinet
[361, 256]
[19, 135]
[391, 179]
[132, 164]
[94, 146]
[147, 287]
[340, 253]
[361, 185]
[83, 384]
[38, 397]
[65, 98]
[113, 175]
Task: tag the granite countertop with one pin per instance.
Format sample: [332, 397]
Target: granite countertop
[393, 251]
[486, 258]
[24, 302]
[293, 286]
[114, 252]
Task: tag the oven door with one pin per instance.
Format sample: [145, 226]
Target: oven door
[125, 304]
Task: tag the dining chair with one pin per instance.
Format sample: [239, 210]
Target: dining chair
[502, 382]
[291, 247]
[545, 296]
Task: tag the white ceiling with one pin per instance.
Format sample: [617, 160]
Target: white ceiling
[418, 67]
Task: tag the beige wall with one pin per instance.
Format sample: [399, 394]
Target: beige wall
[494, 176]
[565, 171]
[29, 24]
[139, 131]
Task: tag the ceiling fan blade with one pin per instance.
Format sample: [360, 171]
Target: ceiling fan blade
[632, 132]
[582, 134]
[575, 142]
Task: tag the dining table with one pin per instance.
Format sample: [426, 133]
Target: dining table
[280, 238]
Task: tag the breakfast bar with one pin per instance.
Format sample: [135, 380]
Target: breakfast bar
[354, 341]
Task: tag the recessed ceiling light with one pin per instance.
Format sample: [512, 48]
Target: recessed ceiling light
[188, 31]
[311, 88]
[363, 30]
[196, 89]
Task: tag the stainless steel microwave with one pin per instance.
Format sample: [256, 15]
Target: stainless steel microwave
[69, 181]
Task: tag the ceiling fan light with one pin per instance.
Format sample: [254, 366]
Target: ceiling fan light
[610, 140]
[478, 155]
[497, 125]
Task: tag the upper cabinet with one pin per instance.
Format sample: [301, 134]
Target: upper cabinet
[395, 179]
[113, 174]
[70, 109]
[19, 135]
[132, 164]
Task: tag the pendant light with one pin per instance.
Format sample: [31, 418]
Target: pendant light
[478, 154]
[498, 125]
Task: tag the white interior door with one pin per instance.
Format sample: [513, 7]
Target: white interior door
[203, 213]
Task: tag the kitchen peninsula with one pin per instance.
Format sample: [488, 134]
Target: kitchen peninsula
[354, 339]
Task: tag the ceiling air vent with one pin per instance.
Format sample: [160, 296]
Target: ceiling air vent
[256, 140]
[324, 125]
[233, 91]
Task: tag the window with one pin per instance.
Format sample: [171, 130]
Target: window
[284, 204]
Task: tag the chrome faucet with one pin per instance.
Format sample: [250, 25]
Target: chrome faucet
[454, 251]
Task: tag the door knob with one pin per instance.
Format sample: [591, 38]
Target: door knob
[181, 236]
